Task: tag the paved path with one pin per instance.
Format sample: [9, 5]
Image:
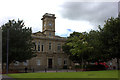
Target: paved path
[7, 78]
[57, 71]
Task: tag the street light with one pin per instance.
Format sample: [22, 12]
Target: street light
[7, 48]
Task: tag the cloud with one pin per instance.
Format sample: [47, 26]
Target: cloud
[119, 6]
[30, 11]
[70, 16]
[5, 19]
[94, 12]
[65, 33]
[65, 26]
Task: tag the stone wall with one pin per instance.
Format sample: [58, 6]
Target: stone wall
[40, 62]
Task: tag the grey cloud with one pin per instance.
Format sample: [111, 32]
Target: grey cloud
[94, 12]
[5, 19]
[119, 7]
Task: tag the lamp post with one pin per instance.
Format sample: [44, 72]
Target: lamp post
[7, 49]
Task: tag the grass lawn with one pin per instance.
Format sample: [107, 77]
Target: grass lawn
[87, 74]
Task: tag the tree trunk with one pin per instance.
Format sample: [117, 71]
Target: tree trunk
[118, 64]
[82, 63]
[6, 67]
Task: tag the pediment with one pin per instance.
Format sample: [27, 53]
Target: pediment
[39, 34]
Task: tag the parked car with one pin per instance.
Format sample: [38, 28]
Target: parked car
[97, 67]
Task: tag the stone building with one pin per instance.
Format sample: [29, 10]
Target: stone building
[48, 47]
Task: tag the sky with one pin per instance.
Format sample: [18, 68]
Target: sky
[71, 15]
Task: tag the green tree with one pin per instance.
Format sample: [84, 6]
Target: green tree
[67, 47]
[110, 37]
[77, 47]
[99, 52]
[20, 42]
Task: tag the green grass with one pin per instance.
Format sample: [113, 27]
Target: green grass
[87, 74]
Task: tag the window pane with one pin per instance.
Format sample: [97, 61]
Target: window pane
[59, 61]
[38, 62]
[35, 46]
[42, 47]
[25, 63]
[59, 47]
[39, 46]
[50, 34]
[49, 46]
[65, 61]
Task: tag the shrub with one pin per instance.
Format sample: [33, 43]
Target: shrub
[95, 67]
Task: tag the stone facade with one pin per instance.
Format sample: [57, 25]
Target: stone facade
[48, 47]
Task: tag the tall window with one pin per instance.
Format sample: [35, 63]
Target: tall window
[42, 47]
[49, 33]
[49, 46]
[38, 62]
[59, 47]
[35, 46]
[25, 63]
[39, 46]
[59, 61]
[65, 61]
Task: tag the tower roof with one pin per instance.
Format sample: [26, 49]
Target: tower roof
[48, 15]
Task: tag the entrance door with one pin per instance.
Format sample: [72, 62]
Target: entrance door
[49, 63]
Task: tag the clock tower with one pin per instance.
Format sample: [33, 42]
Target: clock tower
[48, 24]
